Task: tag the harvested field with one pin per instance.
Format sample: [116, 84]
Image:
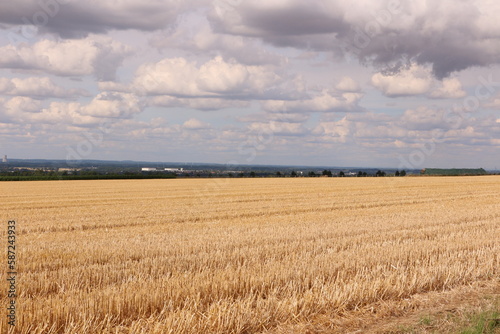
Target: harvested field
[274, 255]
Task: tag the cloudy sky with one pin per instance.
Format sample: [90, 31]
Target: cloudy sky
[395, 83]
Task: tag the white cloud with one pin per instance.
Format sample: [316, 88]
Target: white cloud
[170, 76]
[96, 55]
[451, 88]
[347, 84]
[112, 105]
[38, 87]
[339, 131]
[22, 104]
[415, 80]
[215, 78]
[195, 124]
[324, 101]
[103, 106]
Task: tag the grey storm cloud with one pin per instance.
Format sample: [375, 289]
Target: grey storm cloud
[76, 19]
[448, 35]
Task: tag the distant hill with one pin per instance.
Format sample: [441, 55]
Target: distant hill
[453, 171]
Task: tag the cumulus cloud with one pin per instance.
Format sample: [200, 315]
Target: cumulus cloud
[37, 87]
[215, 78]
[76, 19]
[104, 106]
[195, 124]
[20, 104]
[413, 81]
[96, 55]
[339, 131]
[451, 88]
[112, 105]
[417, 80]
[327, 100]
[347, 84]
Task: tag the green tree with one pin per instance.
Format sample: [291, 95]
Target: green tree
[341, 174]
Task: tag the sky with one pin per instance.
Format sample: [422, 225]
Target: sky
[402, 84]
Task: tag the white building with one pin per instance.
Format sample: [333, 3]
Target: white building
[148, 169]
[4, 159]
[175, 170]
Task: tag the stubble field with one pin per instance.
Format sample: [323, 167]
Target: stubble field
[279, 255]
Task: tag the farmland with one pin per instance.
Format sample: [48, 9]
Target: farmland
[274, 255]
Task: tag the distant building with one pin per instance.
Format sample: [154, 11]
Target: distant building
[148, 169]
[4, 160]
[452, 171]
[175, 170]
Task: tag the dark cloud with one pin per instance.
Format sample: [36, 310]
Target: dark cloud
[76, 19]
[300, 19]
[449, 35]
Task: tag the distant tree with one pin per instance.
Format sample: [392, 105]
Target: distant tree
[403, 173]
[241, 174]
[397, 173]
[360, 173]
[365, 174]
[341, 174]
[327, 173]
[252, 174]
[39, 172]
[278, 174]
[293, 174]
[380, 173]
[312, 174]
